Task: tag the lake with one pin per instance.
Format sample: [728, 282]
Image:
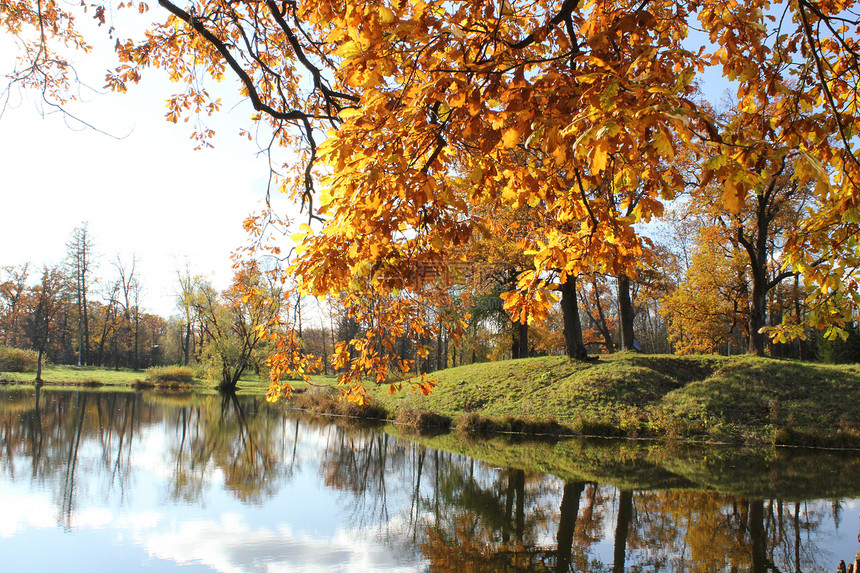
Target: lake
[140, 481]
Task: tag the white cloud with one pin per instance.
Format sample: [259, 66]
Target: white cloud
[230, 545]
[22, 511]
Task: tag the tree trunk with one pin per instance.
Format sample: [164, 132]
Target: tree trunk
[39, 366]
[187, 345]
[522, 340]
[572, 325]
[797, 312]
[601, 322]
[625, 311]
[439, 361]
[101, 353]
[137, 339]
[86, 328]
[757, 315]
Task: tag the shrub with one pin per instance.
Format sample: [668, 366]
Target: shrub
[596, 426]
[170, 374]
[422, 422]
[325, 402]
[475, 424]
[18, 360]
[478, 424]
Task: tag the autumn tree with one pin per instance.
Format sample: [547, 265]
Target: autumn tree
[80, 264]
[236, 322]
[762, 226]
[187, 285]
[711, 302]
[597, 308]
[129, 291]
[404, 116]
[46, 300]
[13, 295]
[493, 261]
[107, 322]
[654, 282]
[753, 234]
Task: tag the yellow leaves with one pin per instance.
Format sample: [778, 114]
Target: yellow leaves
[302, 234]
[733, 196]
[386, 15]
[457, 99]
[352, 48]
[349, 112]
[609, 97]
[684, 79]
[278, 390]
[663, 143]
[510, 137]
[425, 386]
[715, 161]
[364, 77]
[599, 156]
[356, 394]
[809, 167]
[476, 174]
[509, 194]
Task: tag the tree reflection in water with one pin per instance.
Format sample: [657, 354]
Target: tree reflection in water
[236, 438]
[454, 513]
[51, 429]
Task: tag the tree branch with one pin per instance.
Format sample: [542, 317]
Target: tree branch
[567, 9]
[259, 105]
[807, 32]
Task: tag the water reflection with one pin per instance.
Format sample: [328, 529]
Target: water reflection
[233, 484]
[238, 439]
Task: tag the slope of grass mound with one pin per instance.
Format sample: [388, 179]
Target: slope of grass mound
[701, 397]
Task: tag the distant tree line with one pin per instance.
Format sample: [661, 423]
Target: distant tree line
[693, 295]
[70, 315]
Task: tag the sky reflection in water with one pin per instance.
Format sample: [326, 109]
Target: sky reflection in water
[141, 482]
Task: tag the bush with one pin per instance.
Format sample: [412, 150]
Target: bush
[475, 424]
[478, 424]
[170, 374]
[325, 402]
[18, 360]
[422, 422]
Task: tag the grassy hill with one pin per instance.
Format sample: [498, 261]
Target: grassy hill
[706, 398]
[738, 399]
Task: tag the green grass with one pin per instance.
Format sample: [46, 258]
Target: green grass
[92, 376]
[706, 398]
[74, 375]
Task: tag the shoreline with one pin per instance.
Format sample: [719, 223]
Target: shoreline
[705, 399]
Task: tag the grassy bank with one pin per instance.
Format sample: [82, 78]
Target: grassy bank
[77, 376]
[706, 398]
[59, 376]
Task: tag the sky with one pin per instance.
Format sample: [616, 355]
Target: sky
[148, 194]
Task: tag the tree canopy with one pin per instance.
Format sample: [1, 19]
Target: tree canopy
[415, 122]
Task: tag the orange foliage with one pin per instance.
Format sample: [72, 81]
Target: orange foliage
[408, 118]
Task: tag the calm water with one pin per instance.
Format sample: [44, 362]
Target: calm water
[95, 482]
